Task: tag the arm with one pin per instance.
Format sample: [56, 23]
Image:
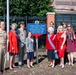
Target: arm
[5, 37]
[74, 37]
[63, 41]
[21, 36]
[55, 42]
[27, 44]
[25, 37]
[5, 41]
[46, 42]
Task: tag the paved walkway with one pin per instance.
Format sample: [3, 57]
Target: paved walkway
[42, 68]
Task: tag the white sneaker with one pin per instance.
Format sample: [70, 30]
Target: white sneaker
[19, 63]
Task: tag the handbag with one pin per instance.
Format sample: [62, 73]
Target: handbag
[56, 55]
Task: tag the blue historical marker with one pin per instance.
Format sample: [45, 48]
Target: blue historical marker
[37, 29]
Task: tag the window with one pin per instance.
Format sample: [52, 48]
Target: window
[66, 18]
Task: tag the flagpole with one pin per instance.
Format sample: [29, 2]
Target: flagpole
[7, 26]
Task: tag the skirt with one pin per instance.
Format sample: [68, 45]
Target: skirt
[50, 54]
[30, 55]
[12, 54]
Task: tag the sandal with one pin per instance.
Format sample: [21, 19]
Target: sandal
[49, 65]
[11, 69]
[52, 66]
[62, 67]
[69, 63]
[32, 66]
[28, 67]
[72, 64]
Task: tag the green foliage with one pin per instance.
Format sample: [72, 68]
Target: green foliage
[26, 7]
[2, 7]
[39, 7]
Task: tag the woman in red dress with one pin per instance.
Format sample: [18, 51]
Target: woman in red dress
[61, 39]
[13, 44]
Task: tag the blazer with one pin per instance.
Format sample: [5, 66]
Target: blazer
[29, 45]
[13, 42]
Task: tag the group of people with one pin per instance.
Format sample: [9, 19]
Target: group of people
[17, 43]
[61, 43]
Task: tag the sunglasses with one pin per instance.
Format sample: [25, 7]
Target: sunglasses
[63, 24]
[68, 26]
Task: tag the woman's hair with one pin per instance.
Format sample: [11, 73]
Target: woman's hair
[63, 23]
[31, 34]
[50, 29]
[13, 24]
[1, 22]
[51, 24]
[71, 29]
[59, 28]
[22, 23]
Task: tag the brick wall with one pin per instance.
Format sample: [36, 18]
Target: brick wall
[50, 18]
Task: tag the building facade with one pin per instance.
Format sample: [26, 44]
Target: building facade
[65, 10]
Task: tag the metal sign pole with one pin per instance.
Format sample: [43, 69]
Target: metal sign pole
[37, 30]
[37, 51]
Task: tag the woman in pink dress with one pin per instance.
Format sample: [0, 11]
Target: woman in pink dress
[70, 43]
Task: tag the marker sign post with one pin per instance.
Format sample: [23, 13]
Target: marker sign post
[37, 30]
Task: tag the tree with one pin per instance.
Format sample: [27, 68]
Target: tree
[27, 7]
[39, 7]
[2, 7]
